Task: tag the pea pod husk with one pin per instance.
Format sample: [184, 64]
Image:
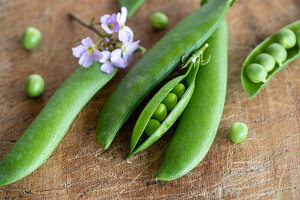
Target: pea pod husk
[253, 88]
[187, 36]
[131, 5]
[50, 126]
[200, 120]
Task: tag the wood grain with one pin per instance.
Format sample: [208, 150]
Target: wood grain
[265, 166]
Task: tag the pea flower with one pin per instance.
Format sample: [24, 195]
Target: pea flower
[87, 52]
[128, 47]
[110, 24]
[122, 17]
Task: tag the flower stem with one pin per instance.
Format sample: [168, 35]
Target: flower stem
[89, 26]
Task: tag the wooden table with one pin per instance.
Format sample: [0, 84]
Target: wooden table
[265, 166]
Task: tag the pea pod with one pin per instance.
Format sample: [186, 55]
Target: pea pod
[200, 120]
[46, 131]
[187, 36]
[131, 5]
[274, 46]
[137, 142]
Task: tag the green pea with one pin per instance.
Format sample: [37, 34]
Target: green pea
[34, 85]
[238, 132]
[31, 38]
[179, 90]
[170, 101]
[159, 20]
[160, 113]
[152, 126]
[256, 73]
[266, 60]
[278, 52]
[286, 38]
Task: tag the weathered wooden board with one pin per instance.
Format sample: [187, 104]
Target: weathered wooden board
[265, 166]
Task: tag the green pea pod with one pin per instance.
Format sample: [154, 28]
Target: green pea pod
[187, 36]
[47, 130]
[200, 120]
[131, 5]
[150, 108]
[253, 88]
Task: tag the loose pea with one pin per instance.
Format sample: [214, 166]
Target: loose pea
[34, 85]
[152, 126]
[31, 38]
[179, 90]
[286, 38]
[256, 73]
[160, 113]
[159, 20]
[170, 101]
[278, 52]
[266, 60]
[238, 132]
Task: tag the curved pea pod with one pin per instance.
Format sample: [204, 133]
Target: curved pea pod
[131, 5]
[199, 122]
[292, 53]
[50, 126]
[186, 37]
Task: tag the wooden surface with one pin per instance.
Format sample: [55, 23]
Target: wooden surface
[265, 166]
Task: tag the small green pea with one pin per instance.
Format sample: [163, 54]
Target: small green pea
[179, 90]
[256, 73]
[238, 132]
[278, 52]
[34, 85]
[160, 113]
[286, 38]
[170, 101]
[31, 38]
[265, 60]
[159, 20]
[152, 126]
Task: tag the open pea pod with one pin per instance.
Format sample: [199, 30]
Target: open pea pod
[139, 139]
[291, 54]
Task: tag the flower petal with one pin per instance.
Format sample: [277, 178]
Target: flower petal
[132, 47]
[78, 51]
[123, 16]
[86, 60]
[116, 59]
[106, 29]
[104, 19]
[106, 56]
[107, 68]
[125, 36]
[97, 55]
[87, 42]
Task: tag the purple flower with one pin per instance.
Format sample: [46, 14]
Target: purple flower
[110, 23]
[107, 66]
[128, 46]
[86, 52]
[122, 17]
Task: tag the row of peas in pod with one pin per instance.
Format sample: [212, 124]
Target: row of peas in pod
[164, 107]
[276, 52]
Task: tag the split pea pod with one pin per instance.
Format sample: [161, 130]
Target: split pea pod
[269, 57]
[131, 5]
[187, 36]
[200, 120]
[50, 126]
[148, 123]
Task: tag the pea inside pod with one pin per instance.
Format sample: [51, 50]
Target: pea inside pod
[148, 121]
[287, 38]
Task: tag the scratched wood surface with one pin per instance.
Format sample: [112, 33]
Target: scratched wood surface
[265, 166]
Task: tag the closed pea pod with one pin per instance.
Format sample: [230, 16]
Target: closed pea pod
[46, 131]
[272, 46]
[149, 72]
[131, 5]
[200, 120]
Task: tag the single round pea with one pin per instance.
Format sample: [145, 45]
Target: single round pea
[31, 38]
[170, 101]
[256, 73]
[160, 113]
[152, 126]
[34, 85]
[179, 90]
[159, 20]
[266, 60]
[287, 38]
[278, 52]
[238, 132]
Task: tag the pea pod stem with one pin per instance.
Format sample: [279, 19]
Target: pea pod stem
[156, 65]
[50, 126]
